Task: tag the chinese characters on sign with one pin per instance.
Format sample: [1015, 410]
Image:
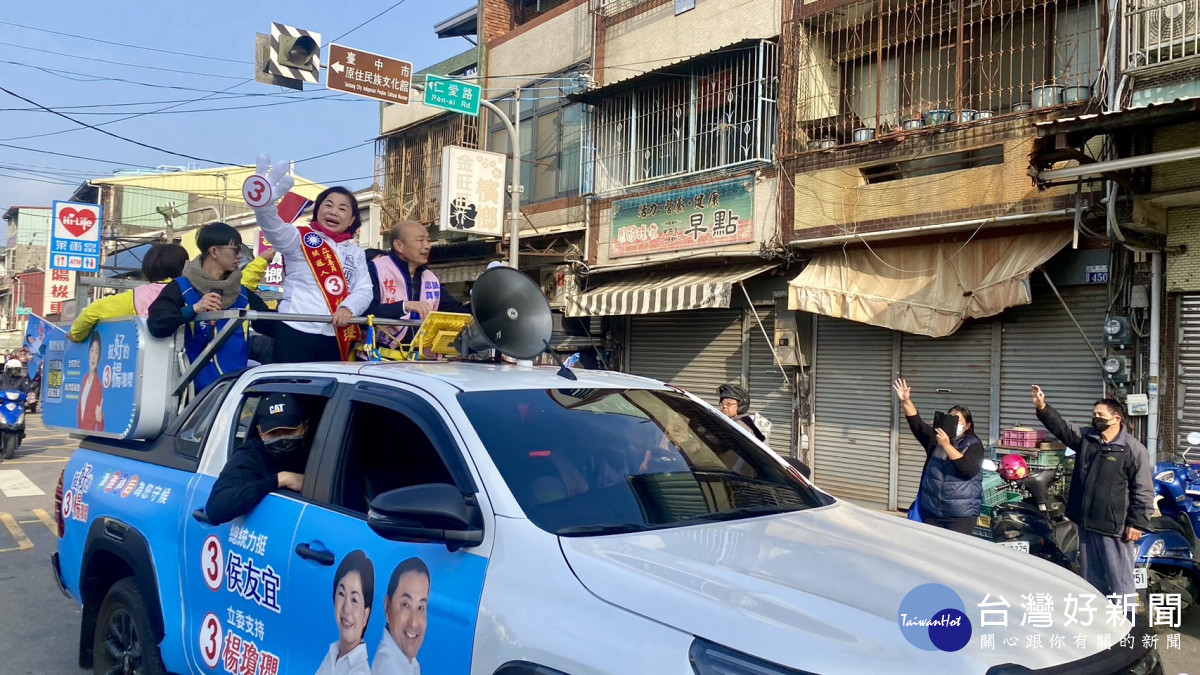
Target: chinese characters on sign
[714, 214]
[472, 191]
[453, 95]
[370, 75]
[60, 287]
[75, 237]
[273, 279]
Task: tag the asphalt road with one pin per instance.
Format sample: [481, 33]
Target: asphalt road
[39, 627]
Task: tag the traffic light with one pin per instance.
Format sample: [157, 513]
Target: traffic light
[288, 57]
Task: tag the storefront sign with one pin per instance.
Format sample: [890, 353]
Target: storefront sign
[714, 214]
[59, 289]
[273, 279]
[75, 236]
[472, 191]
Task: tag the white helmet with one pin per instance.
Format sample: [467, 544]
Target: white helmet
[13, 366]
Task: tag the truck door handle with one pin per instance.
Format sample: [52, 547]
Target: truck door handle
[309, 553]
[201, 517]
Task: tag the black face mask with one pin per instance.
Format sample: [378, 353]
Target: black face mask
[284, 450]
[1100, 424]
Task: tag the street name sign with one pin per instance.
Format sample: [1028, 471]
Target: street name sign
[354, 71]
[453, 95]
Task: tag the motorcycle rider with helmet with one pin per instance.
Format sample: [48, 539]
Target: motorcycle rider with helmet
[14, 378]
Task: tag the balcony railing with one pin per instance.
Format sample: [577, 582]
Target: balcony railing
[1160, 32]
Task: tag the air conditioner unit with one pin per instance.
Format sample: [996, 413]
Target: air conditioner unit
[1172, 30]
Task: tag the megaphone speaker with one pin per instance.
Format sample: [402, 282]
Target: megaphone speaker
[511, 316]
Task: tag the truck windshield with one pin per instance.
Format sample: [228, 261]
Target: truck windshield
[606, 461]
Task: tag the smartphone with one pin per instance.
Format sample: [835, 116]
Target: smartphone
[946, 422]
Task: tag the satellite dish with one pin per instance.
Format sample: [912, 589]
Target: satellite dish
[511, 315]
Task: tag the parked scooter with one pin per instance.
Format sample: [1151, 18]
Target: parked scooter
[1167, 553]
[1038, 523]
[12, 421]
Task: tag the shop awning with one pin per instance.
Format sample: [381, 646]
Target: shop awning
[654, 292]
[925, 289]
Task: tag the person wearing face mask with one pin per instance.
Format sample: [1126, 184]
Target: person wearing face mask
[404, 286]
[209, 283]
[272, 460]
[951, 491]
[1111, 495]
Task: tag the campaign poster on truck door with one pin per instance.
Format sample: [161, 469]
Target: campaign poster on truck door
[92, 385]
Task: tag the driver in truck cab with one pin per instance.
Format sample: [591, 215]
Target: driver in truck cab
[272, 460]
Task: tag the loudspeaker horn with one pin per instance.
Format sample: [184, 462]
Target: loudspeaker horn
[511, 315]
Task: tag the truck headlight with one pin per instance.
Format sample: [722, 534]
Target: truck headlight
[710, 658]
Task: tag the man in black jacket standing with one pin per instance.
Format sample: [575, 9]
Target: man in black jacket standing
[271, 461]
[1112, 493]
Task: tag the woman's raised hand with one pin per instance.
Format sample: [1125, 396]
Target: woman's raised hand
[903, 391]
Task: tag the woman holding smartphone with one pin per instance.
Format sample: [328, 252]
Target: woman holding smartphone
[951, 491]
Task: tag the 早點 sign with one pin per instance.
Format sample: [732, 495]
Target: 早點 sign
[472, 191]
[371, 75]
[714, 214]
[75, 237]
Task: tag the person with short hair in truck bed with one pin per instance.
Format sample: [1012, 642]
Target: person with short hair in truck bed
[271, 460]
[210, 283]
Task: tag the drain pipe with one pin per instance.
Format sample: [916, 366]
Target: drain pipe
[1155, 344]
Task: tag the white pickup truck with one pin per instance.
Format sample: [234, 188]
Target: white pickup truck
[483, 518]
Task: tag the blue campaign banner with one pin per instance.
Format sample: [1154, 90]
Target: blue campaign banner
[38, 334]
[91, 386]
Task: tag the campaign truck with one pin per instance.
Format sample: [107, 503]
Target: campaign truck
[483, 517]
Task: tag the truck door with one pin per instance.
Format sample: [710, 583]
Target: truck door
[236, 597]
[368, 601]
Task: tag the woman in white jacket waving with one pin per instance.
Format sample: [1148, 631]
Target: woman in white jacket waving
[326, 269]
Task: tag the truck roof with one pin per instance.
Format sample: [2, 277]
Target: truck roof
[477, 376]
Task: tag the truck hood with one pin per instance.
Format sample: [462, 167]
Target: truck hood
[821, 590]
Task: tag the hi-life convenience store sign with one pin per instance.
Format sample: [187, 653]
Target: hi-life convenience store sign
[713, 214]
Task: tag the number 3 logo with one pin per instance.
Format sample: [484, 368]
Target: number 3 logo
[334, 286]
[210, 640]
[257, 192]
[210, 560]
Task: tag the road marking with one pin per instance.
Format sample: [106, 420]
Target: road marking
[13, 483]
[17, 533]
[43, 518]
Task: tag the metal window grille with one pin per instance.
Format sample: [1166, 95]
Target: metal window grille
[1159, 33]
[714, 113]
[614, 7]
[868, 68]
[412, 161]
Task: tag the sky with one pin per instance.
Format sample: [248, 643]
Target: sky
[81, 74]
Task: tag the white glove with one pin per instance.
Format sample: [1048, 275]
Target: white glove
[277, 176]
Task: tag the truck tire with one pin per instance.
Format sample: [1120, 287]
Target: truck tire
[123, 641]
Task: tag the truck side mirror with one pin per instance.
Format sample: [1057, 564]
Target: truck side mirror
[423, 514]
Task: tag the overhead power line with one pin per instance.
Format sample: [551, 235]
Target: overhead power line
[123, 44]
[128, 65]
[116, 136]
[368, 21]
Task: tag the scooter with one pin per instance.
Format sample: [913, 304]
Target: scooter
[1167, 553]
[1038, 523]
[12, 421]
[31, 402]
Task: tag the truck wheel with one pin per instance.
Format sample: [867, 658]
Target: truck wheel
[123, 641]
[10, 445]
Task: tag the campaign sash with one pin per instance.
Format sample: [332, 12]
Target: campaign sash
[331, 278]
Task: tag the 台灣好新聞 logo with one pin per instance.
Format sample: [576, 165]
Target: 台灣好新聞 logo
[933, 617]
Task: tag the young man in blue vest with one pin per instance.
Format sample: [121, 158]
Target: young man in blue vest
[210, 283]
[397, 296]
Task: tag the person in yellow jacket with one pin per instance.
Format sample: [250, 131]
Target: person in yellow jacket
[161, 263]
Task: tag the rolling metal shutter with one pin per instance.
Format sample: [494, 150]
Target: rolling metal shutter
[853, 397]
[943, 372]
[697, 350]
[770, 395]
[1040, 345]
[1187, 402]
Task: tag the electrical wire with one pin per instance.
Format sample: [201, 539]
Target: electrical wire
[116, 136]
[401, 2]
[122, 44]
[75, 156]
[122, 63]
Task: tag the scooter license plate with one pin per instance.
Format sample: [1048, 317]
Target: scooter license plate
[1020, 546]
[1140, 578]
